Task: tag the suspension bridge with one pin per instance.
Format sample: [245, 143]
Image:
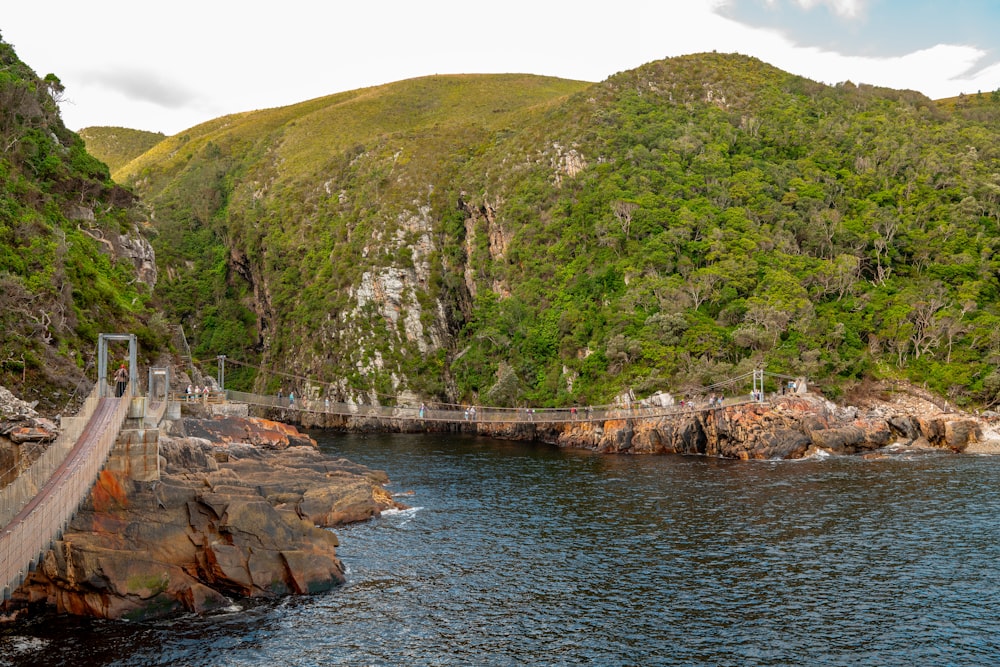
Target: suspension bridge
[745, 388]
[39, 503]
[37, 506]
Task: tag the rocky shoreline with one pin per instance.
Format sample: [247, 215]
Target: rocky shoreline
[790, 427]
[787, 427]
[242, 504]
[243, 515]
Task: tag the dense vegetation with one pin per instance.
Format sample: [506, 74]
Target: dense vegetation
[268, 221]
[517, 240]
[732, 215]
[61, 216]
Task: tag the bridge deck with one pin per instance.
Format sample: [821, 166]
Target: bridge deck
[44, 516]
[84, 447]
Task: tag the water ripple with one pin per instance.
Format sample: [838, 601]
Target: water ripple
[522, 555]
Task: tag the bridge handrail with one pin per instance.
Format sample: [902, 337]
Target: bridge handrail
[16, 495]
[31, 531]
[198, 397]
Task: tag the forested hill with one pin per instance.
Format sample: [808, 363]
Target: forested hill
[73, 262]
[517, 239]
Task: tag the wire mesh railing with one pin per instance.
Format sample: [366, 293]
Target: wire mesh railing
[16, 495]
[50, 496]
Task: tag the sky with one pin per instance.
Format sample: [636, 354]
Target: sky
[168, 66]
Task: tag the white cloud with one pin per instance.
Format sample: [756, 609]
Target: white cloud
[167, 69]
[847, 8]
[143, 85]
[939, 71]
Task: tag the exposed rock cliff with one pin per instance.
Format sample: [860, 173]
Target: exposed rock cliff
[787, 428]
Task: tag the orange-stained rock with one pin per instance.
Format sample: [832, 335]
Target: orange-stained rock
[108, 491]
[788, 427]
[208, 531]
[264, 433]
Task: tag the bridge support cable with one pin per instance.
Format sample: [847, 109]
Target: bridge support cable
[16, 495]
[741, 382]
[741, 389]
[37, 506]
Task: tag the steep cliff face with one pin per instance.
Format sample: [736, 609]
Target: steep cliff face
[73, 260]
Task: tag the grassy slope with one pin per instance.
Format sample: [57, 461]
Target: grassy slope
[261, 181]
[116, 146]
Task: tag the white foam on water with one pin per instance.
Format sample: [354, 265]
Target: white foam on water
[20, 646]
[401, 517]
[409, 511]
[817, 455]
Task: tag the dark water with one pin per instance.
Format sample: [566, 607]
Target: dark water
[522, 555]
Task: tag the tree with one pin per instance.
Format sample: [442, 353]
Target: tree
[924, 335]
[839, 276]
[700, 286]
[885, 228]
[507, 389]
[623, 211]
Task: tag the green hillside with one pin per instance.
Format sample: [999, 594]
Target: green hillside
[117, 146]
[518, 239]
[68, 236]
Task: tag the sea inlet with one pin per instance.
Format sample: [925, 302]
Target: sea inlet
[520, 554]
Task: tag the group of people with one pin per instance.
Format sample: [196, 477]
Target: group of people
[196, 392]
[121, 380]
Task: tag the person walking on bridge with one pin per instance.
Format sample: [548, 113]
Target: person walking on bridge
[121, 381]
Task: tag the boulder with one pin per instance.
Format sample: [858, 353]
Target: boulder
[23, 434]
[261, 433]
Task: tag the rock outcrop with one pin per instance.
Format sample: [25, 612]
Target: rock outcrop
[21, 425]
[242, 517]
[787, 428]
